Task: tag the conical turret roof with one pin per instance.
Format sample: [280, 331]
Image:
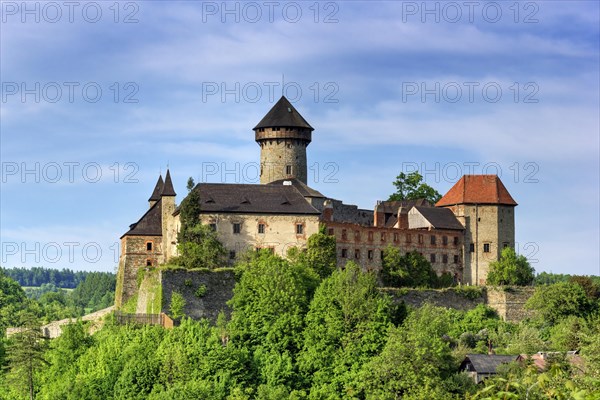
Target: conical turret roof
[283, 114]
[168, 186]
[157, 189]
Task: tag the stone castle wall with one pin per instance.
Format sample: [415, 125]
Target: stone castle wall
[219, 289]
[509, 302]
[277, 154]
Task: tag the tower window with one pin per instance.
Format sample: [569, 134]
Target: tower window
[472, 247]
[505, 245]
[148, 246]
[288, 169]
[148, 263]
[299, 229]
[486, 247]
[261, 228]
[237, 227]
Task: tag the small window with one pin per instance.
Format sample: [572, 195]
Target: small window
[486, 247]
[370, 254]
[148, 263]
[261, 228]
[456, 240]
[330, 232]
[357, 254]
[357, 235]
[408, 238]
[471, 247]
[149, 246]
[299, 229]
[445, 258]
[383, 236]
[288, 169]
[444, 240]
[420, 239]
[432, 258]
[455, 259]
[232, 255]
[237, 227]
[396, 237]
[381, 254]
[213, 226]
[344, 253]
[432, 239]
[505, 245]
[370, 236]
[344, 234]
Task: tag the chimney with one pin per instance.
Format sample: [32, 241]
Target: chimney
[327, 213]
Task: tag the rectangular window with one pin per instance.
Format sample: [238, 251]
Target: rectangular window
[505, 245]
[383, 236]
[148, 246]
[331, 232]
[288, 169]
[232, 255]
[344, 253]
[261, 228]
[444, 240]
[456, 240]
[445, 258]
[299, 229]
[148, 263]
[486, 247]
[455, 259]
[432, 239]
[396, 237]
[213, 226]
[237, 227]
[471, 247]
[420, 239]
[357, 235]
[344, 234]
[432, 258]
[381, 254]
[370, 236]
[370, 254]
[408, 238]
[357, 254]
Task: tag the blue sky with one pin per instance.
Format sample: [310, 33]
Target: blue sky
[99, 97]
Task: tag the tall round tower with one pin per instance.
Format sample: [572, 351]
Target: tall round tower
[283, 135]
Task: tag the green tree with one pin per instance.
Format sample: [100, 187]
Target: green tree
[411, 186]
[177, 305]
[411, 270]
[510, 269]
[199, 247]
[26, 353]
[346, 325]
[416, 358]
[555, 302]
[320, 254]
[189, 210]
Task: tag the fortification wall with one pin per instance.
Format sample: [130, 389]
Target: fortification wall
[219, 289]
[509, 302]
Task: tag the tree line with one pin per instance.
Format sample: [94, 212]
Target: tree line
[37, 276]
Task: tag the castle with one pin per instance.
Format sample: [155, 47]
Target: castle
[461, 234]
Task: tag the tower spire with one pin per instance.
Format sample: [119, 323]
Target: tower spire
[168, 186]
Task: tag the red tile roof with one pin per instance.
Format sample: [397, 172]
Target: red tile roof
[477, 189]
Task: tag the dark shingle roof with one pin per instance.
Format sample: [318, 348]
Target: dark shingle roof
[440, 218]
[283, 114]
[477, 189]
[252, 199]
[168, 186]
[302, 187]
[150, 224]
[157, 190]
[487, 363]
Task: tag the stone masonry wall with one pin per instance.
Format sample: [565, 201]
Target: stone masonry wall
[509, 302]
[219, 289]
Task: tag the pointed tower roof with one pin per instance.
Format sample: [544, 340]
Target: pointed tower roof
[157, 190]
[283, 114]
[168, 186]
[477, 189]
